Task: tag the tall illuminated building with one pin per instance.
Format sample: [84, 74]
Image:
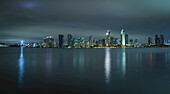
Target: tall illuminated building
[111, 40]
[126, 39]
[94, 42]
[49, 41]
[69, 42]
[61, 40]
[131, 42]
[81, 41]
[150, 41]
[90, 41]
[100, 43]
[108, 38]
[123, 42]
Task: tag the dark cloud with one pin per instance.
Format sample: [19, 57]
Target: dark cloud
[32, 20]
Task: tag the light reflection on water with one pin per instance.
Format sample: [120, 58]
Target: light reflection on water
[21, 68]
[123, 62]
[107, 65]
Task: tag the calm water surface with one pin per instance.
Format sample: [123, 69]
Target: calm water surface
[85, 71]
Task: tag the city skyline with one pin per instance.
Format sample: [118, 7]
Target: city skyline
[32, 20]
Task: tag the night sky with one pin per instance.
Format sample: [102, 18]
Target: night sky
[32, 20]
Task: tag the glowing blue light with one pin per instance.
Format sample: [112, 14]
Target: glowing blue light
[21, 68]
[30, 4]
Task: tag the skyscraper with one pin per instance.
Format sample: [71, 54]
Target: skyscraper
[61, 41]
[108, 38]
[131, 42]
[100, 43]
[123, 42]
[126, 39]
[111, 40]
[157, 40]
[49, 41]
[161, 40]
[69, 36]
[104, 42]
[94, 42]
[90, 41]
[149, 41]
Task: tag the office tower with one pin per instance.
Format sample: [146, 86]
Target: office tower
[61, 41]
[100, 43]
[136, 41]
[157, 40]
[49, 41]
[123, 37]
[104, 42]
[69, 36]
[81, 41]
[87, 43]
[108, 38]
[150, 41]
[161, 40]
[94, 41]
[131, 42]
[73, 42]
[111, 40]
[90, 41]
[126, 39]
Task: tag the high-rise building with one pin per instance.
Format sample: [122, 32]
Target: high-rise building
[81, 41]
[100, 43]
[61, 40]
[161, 40]
[150, 41]
[123, 42]
[131, 42]
[108, 38]
[73, 42]
[69, 42]
[94, 42]
[90, 41]
[157, 40]
[104, 42]
[111, 40]
[126, 39]
[49, 41]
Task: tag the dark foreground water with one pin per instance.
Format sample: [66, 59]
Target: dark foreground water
[85, 71]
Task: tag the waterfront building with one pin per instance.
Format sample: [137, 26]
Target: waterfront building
[123, 42]
[94, 42]
[149, 41]
[61, 40]
[111, 40]
[136, 43]
[81, 41]
[108, 38]
[117, 41]
[126, 39]
[91, 41]
[100, 43]
[87, 44]
[157, 40]
[131, 42]
[69, 42]
[161, 40]
[73, 42]
[49, 41]
[103, 42]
